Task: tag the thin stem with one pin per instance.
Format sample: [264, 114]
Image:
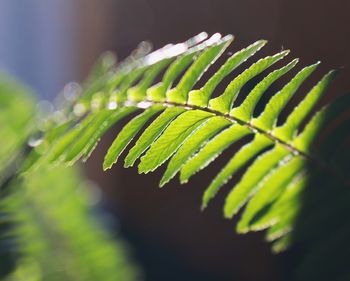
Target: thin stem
[311, 158]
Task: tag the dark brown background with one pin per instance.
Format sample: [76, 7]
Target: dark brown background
[171, 237]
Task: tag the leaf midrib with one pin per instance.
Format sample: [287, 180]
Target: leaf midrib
[309, 157]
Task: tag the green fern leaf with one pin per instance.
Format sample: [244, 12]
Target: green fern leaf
[106, 125]
[180, 93]
[212, 150]
[250, 182]
[283, 204]
[268, 118]
[288, 129]
[174, 135]
[246, 153]
[224, 102]
[271, 189]
[127, 134]
[152, 133]
[194, 127]
[245, 111]
[201, 97]
[322, 118]
[192, 144]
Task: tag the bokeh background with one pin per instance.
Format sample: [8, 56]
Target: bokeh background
[49, 43]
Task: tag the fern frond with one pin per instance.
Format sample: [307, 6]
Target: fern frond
[53, 247]
[36, 239]
[191, 127]
[16, 108]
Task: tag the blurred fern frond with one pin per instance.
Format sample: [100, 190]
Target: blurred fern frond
[57, 233]
[47, 227]
[16, 110]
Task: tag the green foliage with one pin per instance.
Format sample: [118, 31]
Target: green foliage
[192, 127]
[56, 232]
[17, 107]
[47, 227]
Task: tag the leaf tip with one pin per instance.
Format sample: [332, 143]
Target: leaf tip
[228, 39]
[107, 164]
[242, 228]
[284, 53]
[106, 167]
[183, 178]
[141, 168]
[128, 162]
[261, 42]
[127, 165]
[294, 62]
[163, 181]
[228, 211]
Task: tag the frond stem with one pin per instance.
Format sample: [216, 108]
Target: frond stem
[311, 158]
